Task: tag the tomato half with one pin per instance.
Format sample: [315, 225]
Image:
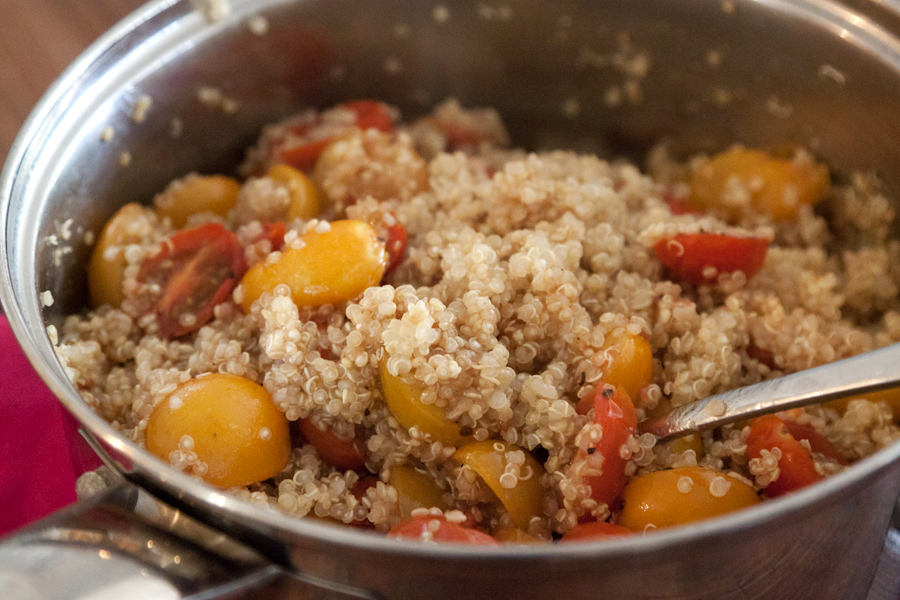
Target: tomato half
[818, 442]
[615, 413]
[395, 244]
[341, 454]
[689, 255]
[598, 530]
[439, 529]
[369, 115]
[274, 232]
[196, 270]
[796, 462]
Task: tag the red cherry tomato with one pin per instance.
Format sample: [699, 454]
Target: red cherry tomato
[615, 413]
[274, 232]
[680, 206]
[796, 462]
[598, 530]
[196, 270]
[341, 454]
[395, 244]
[818, 442]
[688, 255]
[439, 529]
[369, 115]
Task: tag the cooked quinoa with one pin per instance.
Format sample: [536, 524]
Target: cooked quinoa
[519, 270]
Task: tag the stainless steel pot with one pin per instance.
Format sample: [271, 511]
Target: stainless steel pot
[703, 73]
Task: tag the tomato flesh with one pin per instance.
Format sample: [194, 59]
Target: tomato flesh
[796, 463]
[423, 528]
[196, 270]
[341, 454]
[597, 530]
[615, 413]
[690, 255]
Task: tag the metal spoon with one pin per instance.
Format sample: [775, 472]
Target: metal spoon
[869, 372]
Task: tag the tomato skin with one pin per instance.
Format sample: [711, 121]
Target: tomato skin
[341, 454]
[369, 115]
[596, 530]
[797, 467]
[197, 269]
[274, 232]
[416, 528]
[688, 254]
[615, 413]
[680, 206]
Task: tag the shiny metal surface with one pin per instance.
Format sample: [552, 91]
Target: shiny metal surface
[868, 372]
[534, 62]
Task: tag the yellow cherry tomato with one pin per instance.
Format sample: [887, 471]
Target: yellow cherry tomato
[890, 397]
[196, 194]
[416, 490]
[522, 496]
[777, 187]
[631, 367]
[106, 271]
[336, 263]
[682, 495]
[514, 535]
[687, 442]
[303, 193]
[405, 403]
[231, 423]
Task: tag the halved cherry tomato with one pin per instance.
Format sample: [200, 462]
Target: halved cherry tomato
[818, 442]
[196, 270]
[369, 115]
[395, 245]
[689, 255]
[598, 530]
[796, 462]
[680, 206]
[341, 454]
[274, 232]
[436, 528]
[764, 356]
[615, 413]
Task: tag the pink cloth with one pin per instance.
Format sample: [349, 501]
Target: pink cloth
[37, 471]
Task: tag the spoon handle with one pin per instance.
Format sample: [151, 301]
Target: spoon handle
[869, 372]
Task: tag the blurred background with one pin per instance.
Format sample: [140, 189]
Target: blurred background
[38, 39]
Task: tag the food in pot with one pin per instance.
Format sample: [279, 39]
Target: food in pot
[413, 328]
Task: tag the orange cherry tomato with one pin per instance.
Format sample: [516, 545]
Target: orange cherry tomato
[196, 270]
[615, 413]
[598, 530]
[689, 255]
[796, 462]
[369, 115]
[434, 528]
[339, 453]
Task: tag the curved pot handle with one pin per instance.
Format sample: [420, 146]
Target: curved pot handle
[119, 544]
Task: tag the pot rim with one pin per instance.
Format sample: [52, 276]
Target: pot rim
[35, 343]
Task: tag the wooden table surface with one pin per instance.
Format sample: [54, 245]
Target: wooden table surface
[38, 39]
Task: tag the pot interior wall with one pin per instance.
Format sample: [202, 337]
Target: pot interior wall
[610, 77]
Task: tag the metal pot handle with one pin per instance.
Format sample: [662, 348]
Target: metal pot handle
[125, 543]
[120, 544]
